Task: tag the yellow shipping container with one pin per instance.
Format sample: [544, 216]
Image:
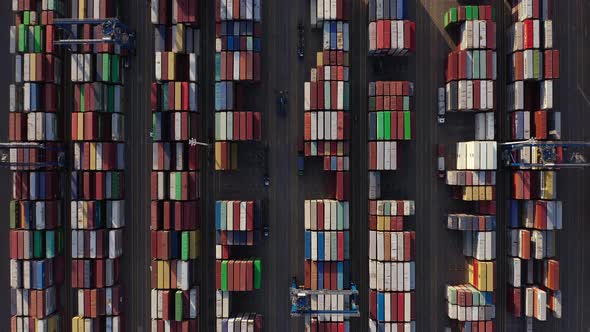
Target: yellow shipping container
[218, 156]
[167, 275]
[320, 59]
[490, 277]
[160, 274]
[489, 193]
[482, 193]
[76, 324]
[80, 126]
[177, 96]
[84, 214]
[467, 194]
[92, 156]
[547, 181]
[32, 67]
[179, 40]
[195, 240]
[470, 272]
[82, 9]
[380, 222]
[481, 276]
[171, 66]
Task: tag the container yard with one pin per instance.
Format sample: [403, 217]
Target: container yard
[318, 165]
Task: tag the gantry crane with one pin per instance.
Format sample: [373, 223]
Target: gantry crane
[113, 31]
[546, 154]
[7, 162]
[301, 303]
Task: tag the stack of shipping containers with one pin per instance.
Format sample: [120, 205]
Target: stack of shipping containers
[535, 211]
[237, 63]
[97, 207]
[36, 210]
[175, 181]
[238, 32]
[238, 225]
[326, 135]
[390, 33]
[392, 273]
[471, 75]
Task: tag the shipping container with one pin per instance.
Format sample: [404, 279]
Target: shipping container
[327, 275]
[461, 14]
[245, 322]
[238, 275]
[329, 10]
[391, 37]
[238, 126]
[387, 307]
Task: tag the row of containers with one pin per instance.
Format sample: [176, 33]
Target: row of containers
[326, 134]
[36, 209]
[392, 270]
[390, 31]
[390, 120]
[238, 225]
[535, 212]
[175, 223]
[471, 73]
[238, 45]
[97, 209]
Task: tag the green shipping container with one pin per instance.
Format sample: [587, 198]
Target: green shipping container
[178, 306]
[38, 39]
[407, 126]
[115, 185]
[380, 126]
[106, 67]
[27, 18]
[223, 215]
[406, 103]
[14, 212]
[257, 274]
[217, 67]
[22, 38]
[50, 241]
[346, 96]
[468, 13]
[178, 179]
[224, 275]
[453, 15]
[475, 12]
[476, 65]
[37, 244]
[82, 97]
[372, 103]
[387, 125]
[184, 246]
[164, 105]
[111, 98]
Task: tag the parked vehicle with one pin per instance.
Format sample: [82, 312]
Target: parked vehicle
[301, 44]
[441, 161]
[282, 101]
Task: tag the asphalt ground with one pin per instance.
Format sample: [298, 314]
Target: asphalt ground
[439, 259]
